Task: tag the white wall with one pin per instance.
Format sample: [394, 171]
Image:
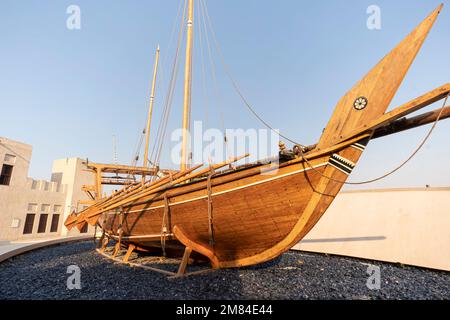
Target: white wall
[74, 176]
[409, 226]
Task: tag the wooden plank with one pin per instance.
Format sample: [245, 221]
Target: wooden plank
[168, 273]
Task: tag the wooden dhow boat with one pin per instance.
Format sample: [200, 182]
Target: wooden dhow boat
[246, 215]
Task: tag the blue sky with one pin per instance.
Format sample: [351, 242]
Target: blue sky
[67, 92]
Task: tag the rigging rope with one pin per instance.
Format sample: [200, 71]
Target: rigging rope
[205, 95]
[214, 77]
[162, 129]
[156, 146]
[137, 152]
[235, 85]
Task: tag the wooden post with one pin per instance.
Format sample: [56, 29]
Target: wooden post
[184, 262]
[98, 181]
[120, 231]
[130, 250]
[210, 210]
[104, 245]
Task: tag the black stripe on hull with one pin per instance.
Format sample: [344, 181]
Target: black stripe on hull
[341, 163]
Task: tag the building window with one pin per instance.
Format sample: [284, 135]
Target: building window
[29, 221]
[10, 158]
[32, 207]
[42, 222]
[5, 177]
[57, 208]
[57, 177]
[45, 208]
[55, 223]
[85, 228]
[15, 223]
[34, 185]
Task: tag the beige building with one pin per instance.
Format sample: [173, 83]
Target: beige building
[31, 209]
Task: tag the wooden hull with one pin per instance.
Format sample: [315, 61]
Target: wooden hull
[257, 213]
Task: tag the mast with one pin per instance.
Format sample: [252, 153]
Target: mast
[150, 110]
[187, 87]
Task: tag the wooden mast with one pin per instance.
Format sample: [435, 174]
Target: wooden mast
[150, 111]
[187, 88]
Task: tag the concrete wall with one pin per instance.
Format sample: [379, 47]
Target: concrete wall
[11, 203]
[25, 195]
[74, 176]
[409, 226]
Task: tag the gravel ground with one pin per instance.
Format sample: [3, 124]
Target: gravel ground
[42, 274]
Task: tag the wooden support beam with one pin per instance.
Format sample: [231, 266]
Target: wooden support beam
[125, 169]
[210, 211]
[104, 245]
[88, 188]
[116, 182]
[87, 202]
[130, 250]
[120, 231]
[145, 237]
[167, 273]
[116, 249]
[414, 122]
[184, 262]
[98, 183]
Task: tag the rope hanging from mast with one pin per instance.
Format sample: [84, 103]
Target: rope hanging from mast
[235, 84]
[218, 103]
